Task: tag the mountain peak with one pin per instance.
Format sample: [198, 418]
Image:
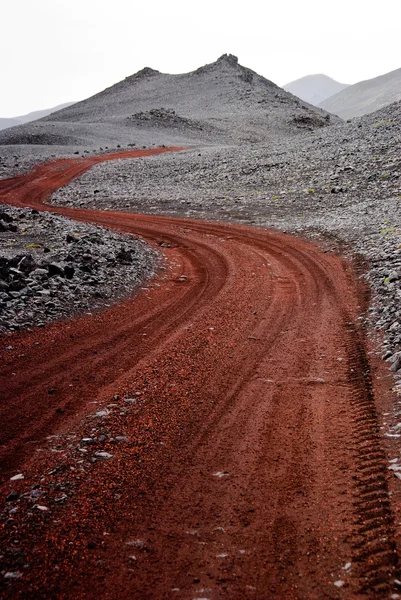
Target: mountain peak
[228, 58]
[145, 72]
[314, 88]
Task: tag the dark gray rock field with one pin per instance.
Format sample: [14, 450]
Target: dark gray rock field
[52, 267]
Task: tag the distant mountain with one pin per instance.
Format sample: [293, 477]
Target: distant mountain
[38, 114]
[219, 102]
[9, 122]
[314, 88]
[366, 96]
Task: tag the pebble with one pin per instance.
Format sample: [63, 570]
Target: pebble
[221, 474]
[102, 413]
[12, 575]
[136, 543]
[12, 496]
[103, 455]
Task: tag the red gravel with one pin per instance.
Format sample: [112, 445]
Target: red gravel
[253, 465]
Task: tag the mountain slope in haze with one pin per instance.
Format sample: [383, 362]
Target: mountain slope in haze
[366, 96]
[6, 122]
[32, 116]
[220, 102]
[314, 89]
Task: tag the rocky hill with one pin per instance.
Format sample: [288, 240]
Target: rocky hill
[366, 96]
[220, 102]
[314, 88]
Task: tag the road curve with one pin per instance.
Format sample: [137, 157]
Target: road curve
[253, 467]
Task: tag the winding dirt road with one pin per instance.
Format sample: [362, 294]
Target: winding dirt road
[251, 464]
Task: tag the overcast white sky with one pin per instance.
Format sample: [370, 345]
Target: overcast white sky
[55, 51]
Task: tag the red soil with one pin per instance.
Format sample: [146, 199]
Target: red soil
[253, 467]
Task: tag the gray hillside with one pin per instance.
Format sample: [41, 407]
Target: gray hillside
[314, 88]
[366, 96]
[220, 102]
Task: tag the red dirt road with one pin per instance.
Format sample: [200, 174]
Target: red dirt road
[252, 466]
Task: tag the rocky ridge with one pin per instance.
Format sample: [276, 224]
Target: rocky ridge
[52, 267]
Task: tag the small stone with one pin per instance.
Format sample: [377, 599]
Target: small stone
[17, 477]
[72, 237]
[136, 543]
[12, 496]
[12, 575]
[220, 474]
[87, 441]
[396, 362]
[61, 498]
[102, 413]
[103, 455]
[55, 269]
[69, 271]
[39, 272]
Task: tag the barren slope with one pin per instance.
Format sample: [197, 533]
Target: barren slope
[366, 96]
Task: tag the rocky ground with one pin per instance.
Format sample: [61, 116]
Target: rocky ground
[52, 267]
[341, 183]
